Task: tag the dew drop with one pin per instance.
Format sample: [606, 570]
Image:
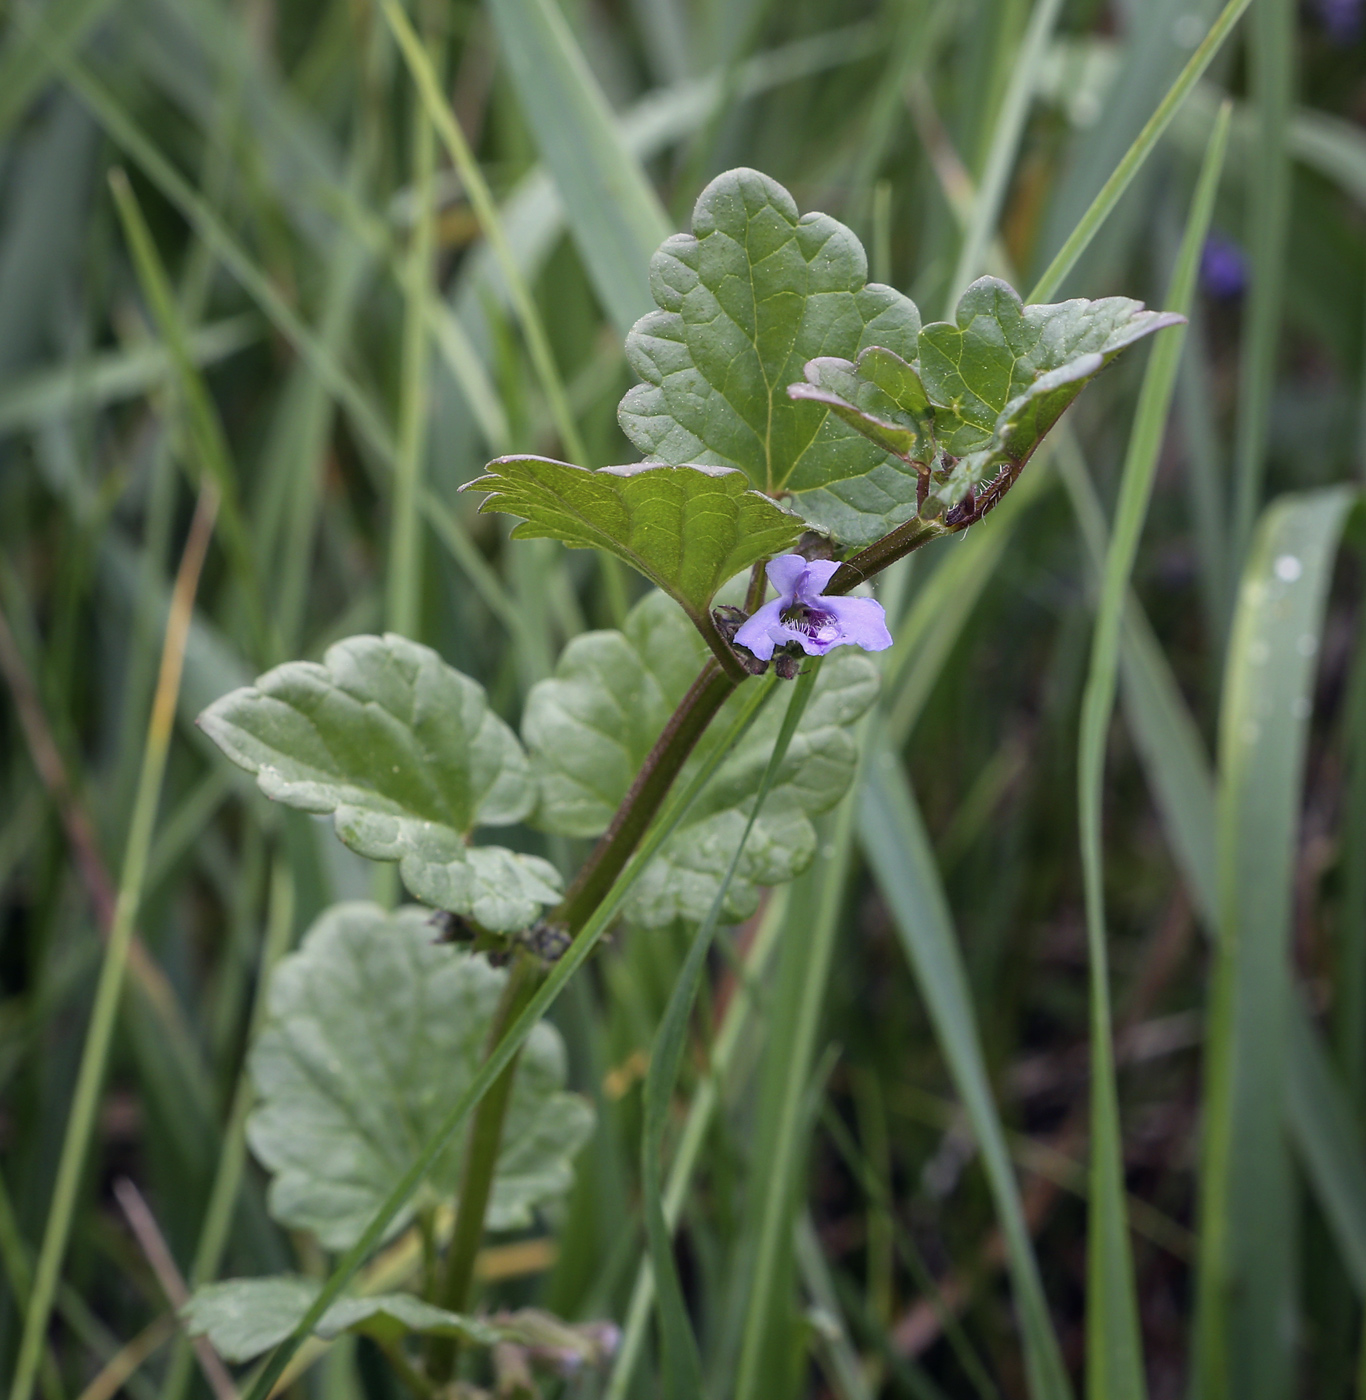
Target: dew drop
[1288, 568]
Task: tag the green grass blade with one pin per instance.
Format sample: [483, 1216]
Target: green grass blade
[1142, 148]
[305, 175]
[205, 430]
[366, 418]
[1114, 1360]
[1328, 1140]
[880, 1198]
[1181, 779]
[213, 1235]
[441, 117]
[1207, 481]
[533, 215]
[405, 536]
[214, 231]
[112, 376]
[1176, 763]
[1272, 74]
[95, 1053]
[1175, 760]
[28, 61]
[613, 211]
[842, 1366]
[1246, 1274]
[793, 1024]
[933, 623]
[898, 850]
[1350, 999]
[695, 1129]
[1005, 144]
[681, 1363]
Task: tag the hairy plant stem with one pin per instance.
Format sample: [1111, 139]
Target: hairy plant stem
[686, 725]
[867, 562]
[481, 1160]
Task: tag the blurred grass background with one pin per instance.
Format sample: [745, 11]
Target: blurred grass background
[347, 335]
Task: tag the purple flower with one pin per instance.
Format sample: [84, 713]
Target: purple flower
[1223, 268]
[801, 613]
[1341, 20]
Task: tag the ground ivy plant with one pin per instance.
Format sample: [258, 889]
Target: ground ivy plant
[802, 429]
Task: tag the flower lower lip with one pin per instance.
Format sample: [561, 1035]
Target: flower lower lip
[819, 626]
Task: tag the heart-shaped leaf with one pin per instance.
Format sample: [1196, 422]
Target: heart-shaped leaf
[686, 528]
[242, 1317]
[374, 1031]
[403, 750]
[746, 299]
[589, 727]
[987, 387]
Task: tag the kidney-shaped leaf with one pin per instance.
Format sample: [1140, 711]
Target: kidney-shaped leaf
[590, 726]
[374, 1031]
[403, 750]
[746, 299]
[242, 1317]
[686, 528]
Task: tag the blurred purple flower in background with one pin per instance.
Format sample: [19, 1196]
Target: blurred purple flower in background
[1341, 20]
[801, 613]
[1223, 268]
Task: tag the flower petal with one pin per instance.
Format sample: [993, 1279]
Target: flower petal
[785, 574]
[819, 572]
[811, 644]
[757, 633]
[862, 621]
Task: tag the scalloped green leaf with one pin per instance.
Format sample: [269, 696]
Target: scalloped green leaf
[686, 528]
[404, 752]
[988, 386]
[746, 299]
[374, 1030]
[243, 1317]
[590, 725]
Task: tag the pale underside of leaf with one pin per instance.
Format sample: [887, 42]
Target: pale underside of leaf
[246, 1316]
[746, 299]
[405, 754]
[374, 1030]
[589, 727]
[686, 528]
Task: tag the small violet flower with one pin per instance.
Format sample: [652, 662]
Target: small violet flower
[1223, 268]
[1341, 20]
[801, 613]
